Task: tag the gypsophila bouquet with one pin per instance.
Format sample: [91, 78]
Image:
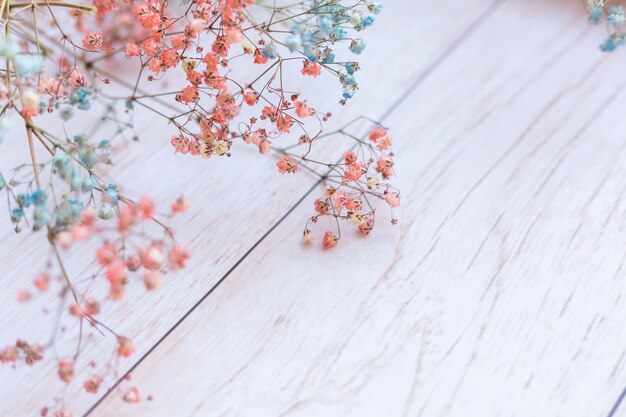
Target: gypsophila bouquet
[219, 71]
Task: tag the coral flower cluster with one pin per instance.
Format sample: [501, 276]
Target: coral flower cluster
[224, 69]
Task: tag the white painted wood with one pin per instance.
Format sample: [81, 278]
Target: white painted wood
[499, 294]
[231, 208]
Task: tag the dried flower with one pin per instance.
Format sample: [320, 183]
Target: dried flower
[125, 346]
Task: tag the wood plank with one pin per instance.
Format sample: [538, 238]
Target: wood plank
[231, 210]
[500, 292]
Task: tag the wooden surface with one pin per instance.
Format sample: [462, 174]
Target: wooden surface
[500, 292]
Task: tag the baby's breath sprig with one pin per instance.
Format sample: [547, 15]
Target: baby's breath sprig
[614, 16]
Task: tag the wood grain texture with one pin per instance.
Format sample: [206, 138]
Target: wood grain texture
[499, 294]
[231, 208]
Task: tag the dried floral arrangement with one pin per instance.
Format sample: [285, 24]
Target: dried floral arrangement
[230, 62]
[614, 16]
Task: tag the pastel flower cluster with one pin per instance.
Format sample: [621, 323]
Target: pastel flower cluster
[353, 185]
[614, 16]
[232, 63]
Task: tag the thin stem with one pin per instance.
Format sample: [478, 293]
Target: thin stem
[85, 7]
[33, 158]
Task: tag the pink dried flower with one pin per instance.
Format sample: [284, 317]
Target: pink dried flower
[132, 396]
[181, 144]
[42, 282]
[32, 353]
[76, 310]
[91, 306]
[384, 165]
[66, 371]
[146, 208]
[8, 354]
[23, 296]
[250, 98]
[329, 240]
[152, 256]
[180, 205]
[92, 385]
[65, 239]
[312, 69]
[80, 232]
[178, 257]
[116, 274]
[93, 41]
[366, 225]
[393, 199]
[198, 25]
[125, 347]
[132, 50]
[321, 205]
[152, 280]
[76, 79]
[106, 254]
[302, 109]
[286, 164]
[377, 133]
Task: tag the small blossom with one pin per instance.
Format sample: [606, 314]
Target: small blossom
[250, 98]
[198, 25]
[307, 237]
[8, 354]
[321, 205]
[132, 396]
[178, 257]
[259, 58]
[377, 133]
[152, 280]
[76, 79]
[42, 282]
[116, 274]
[302, 109]
[151, 256]
[91, 306]
[92, 385]
[221, 147]
[180, 205]
[30, 104]
[393, 199]
[283, 122]
[366, 225]
[311, 69]
[146, 208]
[329, 240]
[132, 50]
[106, 254]
[66, 371]
[357, 46]
[125, 347]
[23, 296]
[76, 310]
[93, 41]
[287, 164]
[181, 144]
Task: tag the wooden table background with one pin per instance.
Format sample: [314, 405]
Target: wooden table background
[500, 292]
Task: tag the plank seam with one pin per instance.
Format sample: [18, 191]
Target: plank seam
[425, 74]
[617, 403]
